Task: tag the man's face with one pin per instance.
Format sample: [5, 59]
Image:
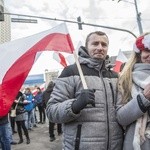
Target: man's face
[97, 46]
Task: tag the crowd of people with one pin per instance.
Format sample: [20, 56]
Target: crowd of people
[27, 105]
[112, 113]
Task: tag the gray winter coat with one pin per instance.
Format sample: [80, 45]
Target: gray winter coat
[95, 128]
[127, 116]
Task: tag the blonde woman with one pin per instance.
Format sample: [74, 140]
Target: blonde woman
[134, 96]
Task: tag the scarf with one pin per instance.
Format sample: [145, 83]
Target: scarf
[140, 78]
[84, 58]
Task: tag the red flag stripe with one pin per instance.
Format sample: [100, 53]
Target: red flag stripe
[62, 60]
[117, 66]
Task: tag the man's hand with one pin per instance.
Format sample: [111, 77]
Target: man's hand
[86, 97]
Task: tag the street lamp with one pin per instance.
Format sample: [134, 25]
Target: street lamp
[138, 15]
[138, 18]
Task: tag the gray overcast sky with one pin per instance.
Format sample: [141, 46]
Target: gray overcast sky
[101, 12]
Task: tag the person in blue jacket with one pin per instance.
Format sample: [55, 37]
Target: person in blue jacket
[39, 102]
[30, 120]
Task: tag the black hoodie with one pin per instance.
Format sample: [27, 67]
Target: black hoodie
[47, 92]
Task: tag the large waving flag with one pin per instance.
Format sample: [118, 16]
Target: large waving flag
[121, 58]
[17, 58]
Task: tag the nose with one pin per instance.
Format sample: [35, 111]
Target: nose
[99, 46]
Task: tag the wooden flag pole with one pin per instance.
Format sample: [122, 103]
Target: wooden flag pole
[80, 71]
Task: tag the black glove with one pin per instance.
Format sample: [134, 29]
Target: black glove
[86, 97]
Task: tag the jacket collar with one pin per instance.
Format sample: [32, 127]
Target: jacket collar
[84, 58]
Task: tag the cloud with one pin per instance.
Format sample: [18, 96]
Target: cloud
[99, 12]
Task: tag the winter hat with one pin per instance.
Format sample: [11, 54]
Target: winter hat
[142, 43]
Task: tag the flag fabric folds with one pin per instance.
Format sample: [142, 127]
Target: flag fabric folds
[121, 58]
[60, 58]
[17, 58]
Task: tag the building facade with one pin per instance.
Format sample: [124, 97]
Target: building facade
[34, 80]
[50, 76]
[5, 27]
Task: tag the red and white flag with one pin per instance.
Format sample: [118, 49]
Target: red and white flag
[17, 58]
[121, 58]
[60, 58]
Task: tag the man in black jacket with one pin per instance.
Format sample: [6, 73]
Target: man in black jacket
[88, 115]
[46, 97]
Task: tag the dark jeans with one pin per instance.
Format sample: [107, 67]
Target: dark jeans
[51, 129]
[42, 113]
[12, 122]
[5, 137]
[20, 126]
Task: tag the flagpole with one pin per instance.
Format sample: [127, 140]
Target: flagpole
[80, 71]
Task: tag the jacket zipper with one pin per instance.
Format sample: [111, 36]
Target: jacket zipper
[107, 147]
[113, 95]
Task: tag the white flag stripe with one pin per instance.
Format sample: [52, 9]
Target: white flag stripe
[70, 58]
[121, 57]
[38, 54]
[56, 57]
[78, 46]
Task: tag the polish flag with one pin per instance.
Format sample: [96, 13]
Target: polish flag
[17, 58]
[121, 58]
[60, 58]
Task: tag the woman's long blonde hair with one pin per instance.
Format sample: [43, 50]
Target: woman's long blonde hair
[125, 78]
